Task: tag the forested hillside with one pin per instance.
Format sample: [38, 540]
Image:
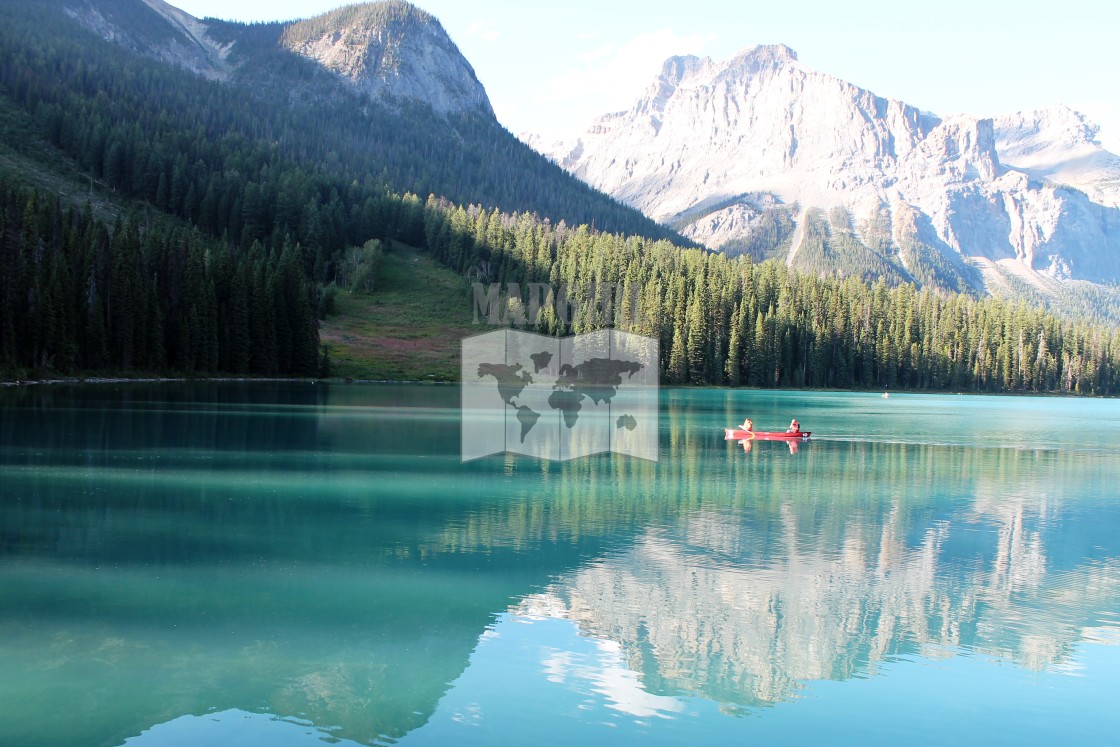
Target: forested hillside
[281, 127]
[260, 183]
[78, 295]
[731, 321]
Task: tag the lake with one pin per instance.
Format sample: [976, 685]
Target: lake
[300, 564]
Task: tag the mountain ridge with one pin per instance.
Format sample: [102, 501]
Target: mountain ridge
[380, 94]
[1060, 145]
[761, 123]
[391, 49]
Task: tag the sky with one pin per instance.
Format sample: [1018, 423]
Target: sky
[550, 69]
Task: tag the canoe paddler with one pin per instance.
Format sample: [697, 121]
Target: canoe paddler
[747, 425]
[794, 427]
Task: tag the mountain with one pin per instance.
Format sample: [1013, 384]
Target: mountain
[374, 91]
[1059, 145]
[184, 195]
[760, 154]
[391, 50]
[160, 31]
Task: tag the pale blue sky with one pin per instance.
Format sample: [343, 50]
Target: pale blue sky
[551, 69]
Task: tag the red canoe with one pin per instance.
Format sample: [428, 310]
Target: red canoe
[734, 434]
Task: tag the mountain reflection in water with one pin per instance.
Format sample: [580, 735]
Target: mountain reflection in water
[181, 561]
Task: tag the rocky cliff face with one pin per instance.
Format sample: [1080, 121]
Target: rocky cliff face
[155, 29]
[390, 50]
[711, 148]
[1059, 145]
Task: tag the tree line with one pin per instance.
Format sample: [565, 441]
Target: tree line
[730, 321]
[144, 295]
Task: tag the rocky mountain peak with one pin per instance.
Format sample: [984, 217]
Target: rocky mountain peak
[683, 70]
[155, 29]
[391, 49]
[762, 57]
[741, 154]
[1059, 144]
[1060, 124]
[682, 67]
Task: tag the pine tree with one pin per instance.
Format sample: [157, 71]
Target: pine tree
[734, 349]
[696, 345]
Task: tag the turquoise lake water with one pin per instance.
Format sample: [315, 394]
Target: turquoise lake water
[308, 564]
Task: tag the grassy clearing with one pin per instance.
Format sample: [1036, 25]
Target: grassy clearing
[408, 328]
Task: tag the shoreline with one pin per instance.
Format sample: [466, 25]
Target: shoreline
[12, 384]
[130, 380]
[16, 383]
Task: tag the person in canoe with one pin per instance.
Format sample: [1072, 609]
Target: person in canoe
[747, 425]
[794, 427]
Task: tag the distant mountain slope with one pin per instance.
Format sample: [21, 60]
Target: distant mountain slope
[1059, 145]
[393, 50]
[164, 32]
[727, 152]
[378, 88]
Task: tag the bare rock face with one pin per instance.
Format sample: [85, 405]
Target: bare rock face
[156, 29]
[1034, 190]
[391, 49]
[1059, 145]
